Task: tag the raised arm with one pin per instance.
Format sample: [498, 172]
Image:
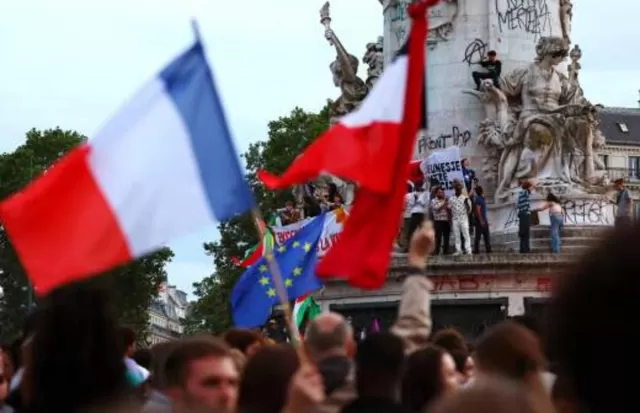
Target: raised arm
[413, 325]
[544, 207]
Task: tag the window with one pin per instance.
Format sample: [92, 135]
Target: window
[634, 167]
[605, 160]
[623, 127]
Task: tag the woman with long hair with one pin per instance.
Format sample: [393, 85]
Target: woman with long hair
[556, 220]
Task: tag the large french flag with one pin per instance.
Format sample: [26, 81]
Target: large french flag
[163, 166]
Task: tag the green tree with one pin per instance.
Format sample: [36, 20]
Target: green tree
[136, 283]
[287, 138]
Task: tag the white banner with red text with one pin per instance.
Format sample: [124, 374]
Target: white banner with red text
[333, 225]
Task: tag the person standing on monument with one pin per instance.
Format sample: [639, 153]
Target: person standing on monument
[469, 176]
[624, 214]
[460, 206]
[493, 68]
[403, 239]
[439, 210]
[556, 220]
[482, 225]
[417, 203]
[524, 216]
[470, 181]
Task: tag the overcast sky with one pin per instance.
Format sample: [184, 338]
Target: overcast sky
[71, 63]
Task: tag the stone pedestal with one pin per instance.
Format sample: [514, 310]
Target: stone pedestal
[472, 292]
[586, 210]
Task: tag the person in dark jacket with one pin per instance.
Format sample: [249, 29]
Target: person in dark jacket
[493, 67]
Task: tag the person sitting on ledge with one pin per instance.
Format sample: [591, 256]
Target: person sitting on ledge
[493, 67]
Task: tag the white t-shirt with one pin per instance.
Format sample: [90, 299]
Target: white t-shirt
[418, 203]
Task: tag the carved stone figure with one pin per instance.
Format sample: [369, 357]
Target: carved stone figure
[566, 17]
[374, 57]
[353, 90]
[539, 124]
[574, 67]
[344, 70]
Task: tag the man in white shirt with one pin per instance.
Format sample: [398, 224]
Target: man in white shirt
[460, 206]
[403, 240]
[417, 204]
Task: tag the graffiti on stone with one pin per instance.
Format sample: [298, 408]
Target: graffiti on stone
[586, 212]
[475, 52]
[456, 137]
[530, 16]
[491, 283]
[576, 212]
[512, 220]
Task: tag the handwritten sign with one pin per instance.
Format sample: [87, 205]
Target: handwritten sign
[444, 166]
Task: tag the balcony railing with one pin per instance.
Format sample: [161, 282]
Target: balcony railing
[628, 174]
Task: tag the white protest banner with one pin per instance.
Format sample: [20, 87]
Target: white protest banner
[444, 166]
[333, 225]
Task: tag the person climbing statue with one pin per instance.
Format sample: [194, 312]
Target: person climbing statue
[493, 67]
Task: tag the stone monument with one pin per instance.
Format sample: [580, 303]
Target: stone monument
[536, 124]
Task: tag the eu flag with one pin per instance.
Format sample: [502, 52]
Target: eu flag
[254, 294]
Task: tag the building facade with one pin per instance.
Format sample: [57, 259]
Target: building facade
[621, 154]
[166, 315]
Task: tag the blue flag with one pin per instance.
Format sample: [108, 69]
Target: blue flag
[254, 294]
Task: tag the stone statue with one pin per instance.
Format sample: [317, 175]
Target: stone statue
[344, 70]
[354, 90]
[374, 57]
[573, 69]
[539, 125]
[566, 16]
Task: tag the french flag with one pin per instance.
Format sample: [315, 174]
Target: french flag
[163, 166]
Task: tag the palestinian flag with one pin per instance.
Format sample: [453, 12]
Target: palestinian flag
[257, 251]
[304, 310]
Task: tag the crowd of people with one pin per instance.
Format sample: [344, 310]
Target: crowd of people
[74, 357]
[314, 202]
[463, 215]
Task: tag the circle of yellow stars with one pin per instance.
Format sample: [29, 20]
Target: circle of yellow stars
[265, 279]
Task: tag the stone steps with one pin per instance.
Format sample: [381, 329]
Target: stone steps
[571, 235]
[536, 262]
[568, 231]
[569, 244]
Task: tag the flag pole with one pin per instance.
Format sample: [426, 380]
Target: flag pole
[274, 268]
[276, 274]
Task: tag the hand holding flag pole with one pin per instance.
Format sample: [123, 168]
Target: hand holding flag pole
[258, 222]
[276, 275]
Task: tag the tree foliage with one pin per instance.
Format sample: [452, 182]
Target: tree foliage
[136, 284]
[287, 138]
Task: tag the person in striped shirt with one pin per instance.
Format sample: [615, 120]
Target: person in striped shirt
[524, 216]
